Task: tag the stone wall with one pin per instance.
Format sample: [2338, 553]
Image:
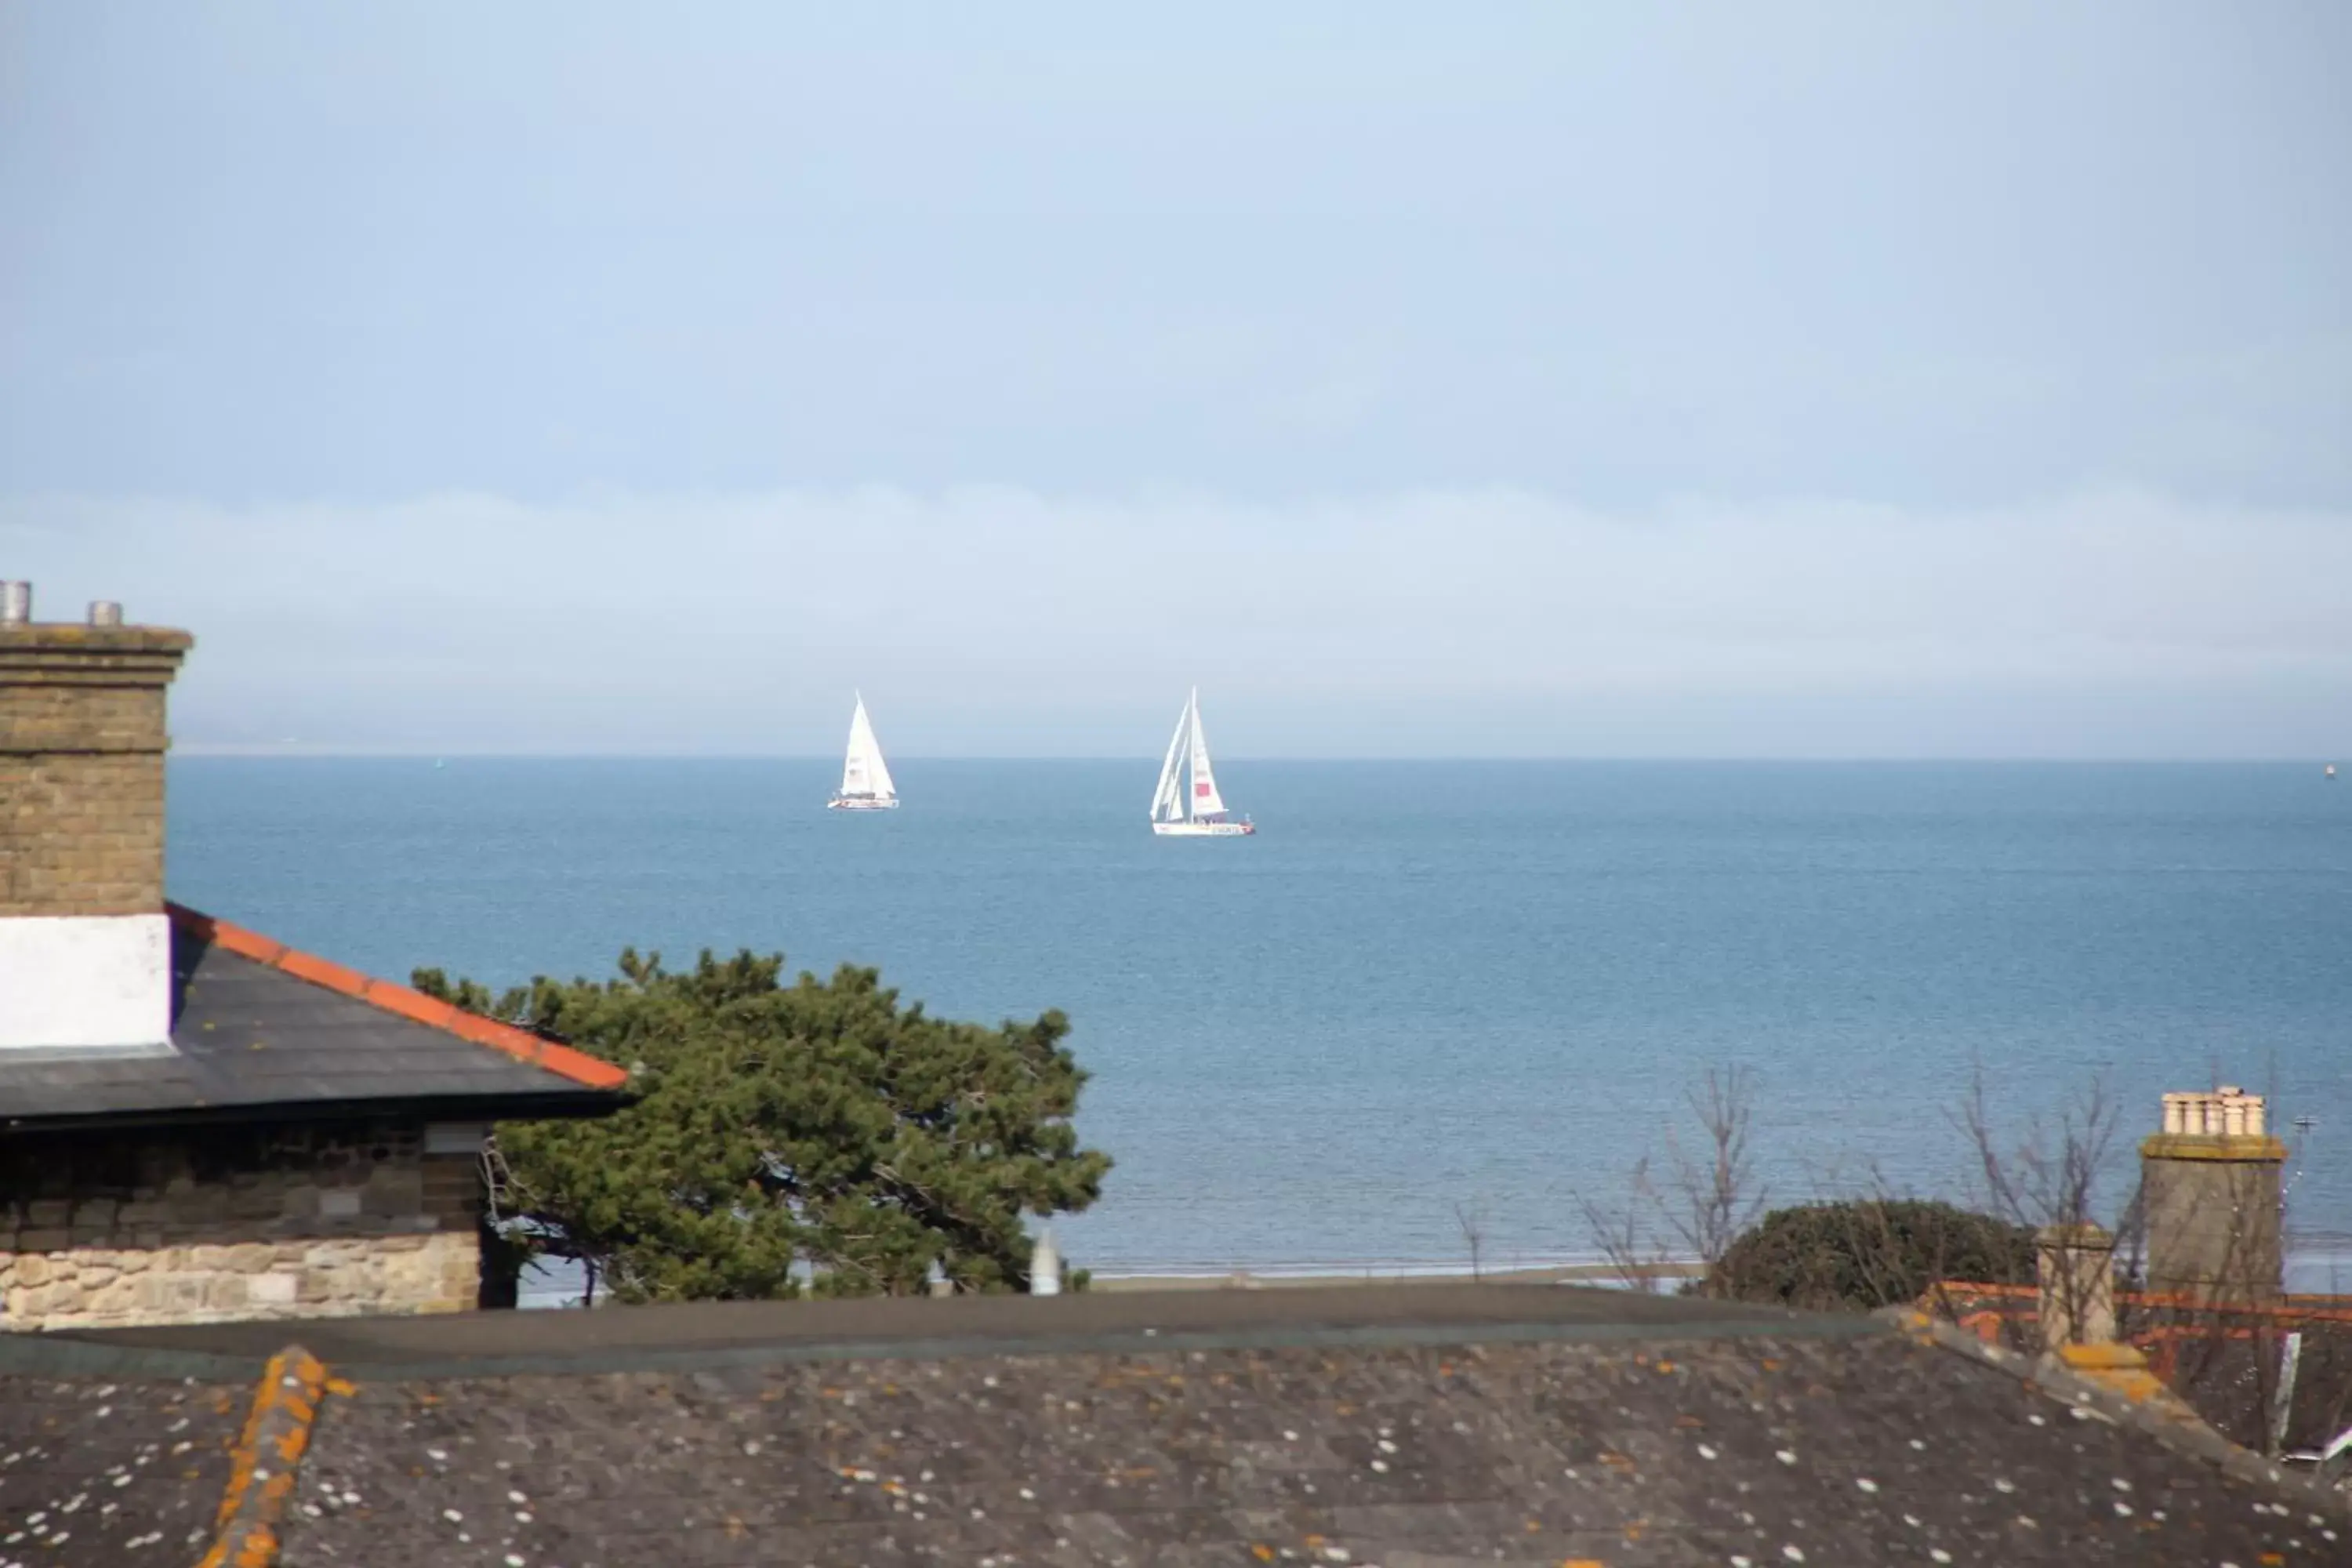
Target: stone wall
[107, 1230]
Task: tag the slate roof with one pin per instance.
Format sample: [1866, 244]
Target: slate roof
[258, 1027]
[1410, 1427]
[113, 1470]
[2222, 1359]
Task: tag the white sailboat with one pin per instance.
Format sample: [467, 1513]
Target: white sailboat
[865, 776]
[1187, 804]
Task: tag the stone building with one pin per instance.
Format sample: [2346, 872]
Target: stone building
[196, 1121]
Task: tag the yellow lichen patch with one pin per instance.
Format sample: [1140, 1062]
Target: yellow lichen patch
[259, 1550]
[1261, 1552]
[279, 1424]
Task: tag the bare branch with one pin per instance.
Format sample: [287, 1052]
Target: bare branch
[1472, 1219]
[1623, 1240]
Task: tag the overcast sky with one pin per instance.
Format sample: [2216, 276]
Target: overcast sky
[1622, 380]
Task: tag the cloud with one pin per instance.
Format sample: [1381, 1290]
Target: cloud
[995, 620]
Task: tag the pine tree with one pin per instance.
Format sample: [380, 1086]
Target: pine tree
[816, 1135]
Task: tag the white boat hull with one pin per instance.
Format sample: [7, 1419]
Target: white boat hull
[1203, 830]
[861, 803]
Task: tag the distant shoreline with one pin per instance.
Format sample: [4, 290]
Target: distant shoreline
[1264, 1280]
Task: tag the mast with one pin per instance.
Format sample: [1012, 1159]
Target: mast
[1192, 768]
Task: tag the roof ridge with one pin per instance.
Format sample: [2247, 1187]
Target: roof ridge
[2153, 1411]
[400, 999]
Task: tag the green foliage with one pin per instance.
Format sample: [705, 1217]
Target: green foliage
[816, 1135]
[1868, 1254]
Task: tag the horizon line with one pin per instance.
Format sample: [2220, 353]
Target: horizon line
[247, 752]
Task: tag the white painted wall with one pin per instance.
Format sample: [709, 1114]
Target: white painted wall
[85, 980]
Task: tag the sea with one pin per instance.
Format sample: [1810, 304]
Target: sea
[1433, 1012]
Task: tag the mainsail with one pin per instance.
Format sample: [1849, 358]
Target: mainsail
[1204, 800]
[863, 772]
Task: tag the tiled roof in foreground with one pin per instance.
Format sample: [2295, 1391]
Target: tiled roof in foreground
[1441, 1424]
[257, 1026]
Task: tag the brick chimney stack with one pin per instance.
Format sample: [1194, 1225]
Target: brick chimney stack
[84, 947]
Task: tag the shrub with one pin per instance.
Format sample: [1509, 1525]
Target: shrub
[1867, 1253]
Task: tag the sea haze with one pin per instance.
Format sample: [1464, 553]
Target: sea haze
[1423, 990]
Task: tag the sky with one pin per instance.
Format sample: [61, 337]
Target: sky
[1546, 380]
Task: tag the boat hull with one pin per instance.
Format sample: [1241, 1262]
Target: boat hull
[861, 803]
[1203, 830]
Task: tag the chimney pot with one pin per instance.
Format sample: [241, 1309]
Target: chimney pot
[105, 612]
[15, 603]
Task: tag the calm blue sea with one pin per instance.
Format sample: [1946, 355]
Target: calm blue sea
[1425, 990]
